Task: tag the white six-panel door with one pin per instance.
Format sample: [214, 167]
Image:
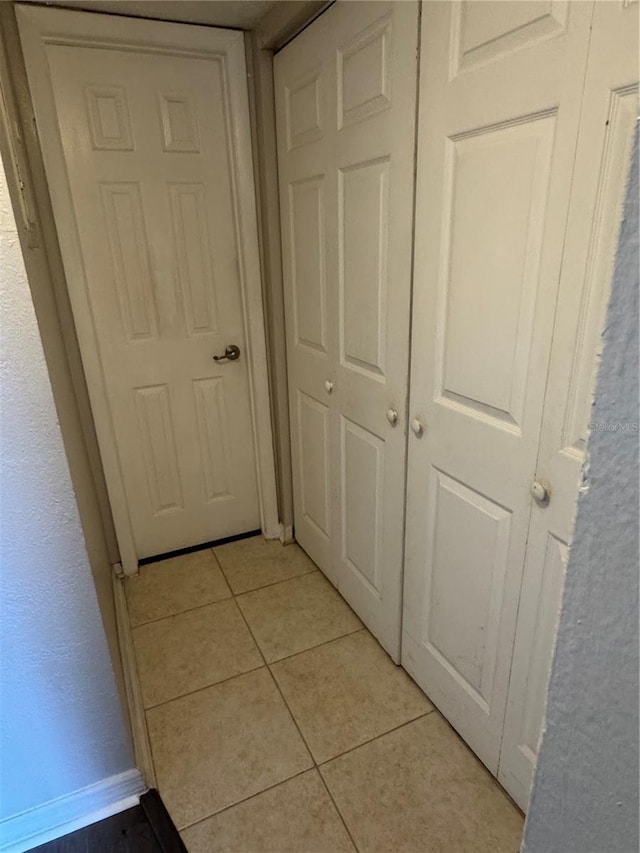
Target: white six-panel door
[609, 114]
[500, 93]
[346, 97]
[146, 137]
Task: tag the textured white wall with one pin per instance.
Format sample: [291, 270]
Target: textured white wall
[61, 725]
[585, 793]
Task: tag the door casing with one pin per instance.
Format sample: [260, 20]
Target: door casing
[42, 26]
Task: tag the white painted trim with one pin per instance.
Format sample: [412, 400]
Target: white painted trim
[251, 285]
[40, 26]
[262, 106]
[286, 534]
[133, 690]
[74, 811]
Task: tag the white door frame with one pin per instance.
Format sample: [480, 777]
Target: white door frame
[40, 27]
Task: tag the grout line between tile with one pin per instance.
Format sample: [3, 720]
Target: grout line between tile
[286, 704]
[318, 646]
[315, 763]
[371, 739]
[253, 637]
[313, 571]
[266, 585]
[230, 597]
[335, 805]
[206, 687]
[295, 722]
[224, 574]
[275, 583]
[250, 797]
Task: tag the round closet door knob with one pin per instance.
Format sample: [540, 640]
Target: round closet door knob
[328, 386]
[417, 426]
[392, 416]
[540, 492]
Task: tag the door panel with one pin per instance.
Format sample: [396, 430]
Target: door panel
[313, 421]
[189, 219]
[606, 133]
[362, 457]
[499, 110]
[363, 192]
[483, 32]
[466, 584]
[145, 140]
[122, 205]
[497, 180]
[307, 215]
[364, 73]
[155, 420]
[213, 432]
[345, 98]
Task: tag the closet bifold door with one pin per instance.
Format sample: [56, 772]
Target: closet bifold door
[345, 106]
[609, 111]
[500, 93]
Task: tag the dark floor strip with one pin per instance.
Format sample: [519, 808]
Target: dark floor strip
[179, 553]
[146, 828]
[161, 823]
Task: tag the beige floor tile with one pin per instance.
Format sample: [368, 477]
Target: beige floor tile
[225, 743]
[294, 817]
[191, 650]
[346, 692]
[252, 563]
[420, 789]
[171, 586]
[295, 615]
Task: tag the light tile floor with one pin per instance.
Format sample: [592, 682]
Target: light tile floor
[279, 725]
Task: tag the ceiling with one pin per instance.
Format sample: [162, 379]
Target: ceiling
[240, 14]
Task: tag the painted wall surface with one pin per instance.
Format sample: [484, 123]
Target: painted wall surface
[585, 794]
[47, 284]
[61, 724]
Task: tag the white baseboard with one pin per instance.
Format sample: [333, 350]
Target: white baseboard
[137, 717]
[286, 534]
[74, 811]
